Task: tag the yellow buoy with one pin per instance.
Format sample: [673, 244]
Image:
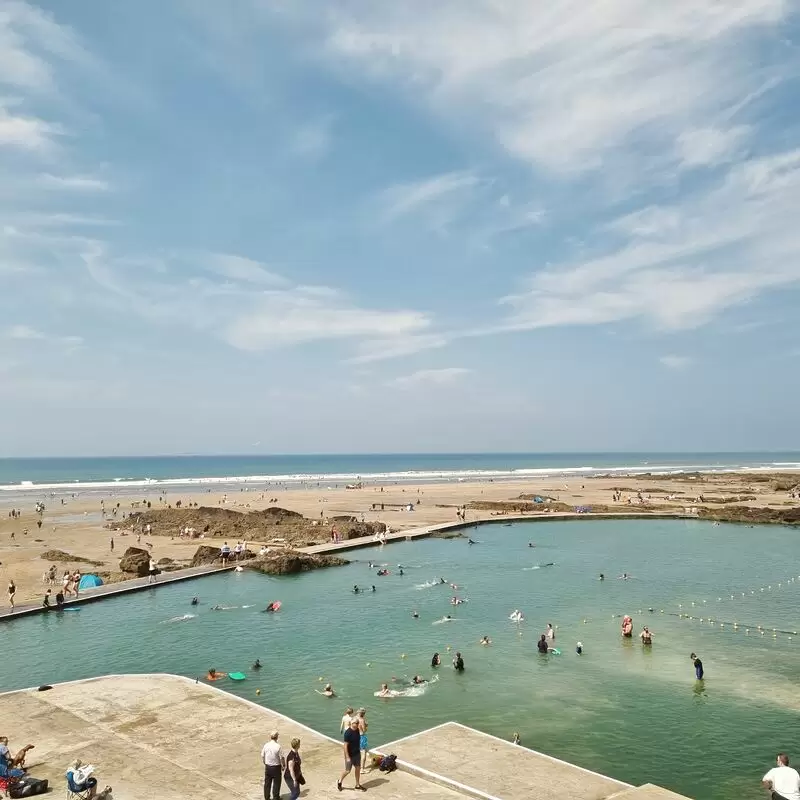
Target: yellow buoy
[402, 655]
[321, 678]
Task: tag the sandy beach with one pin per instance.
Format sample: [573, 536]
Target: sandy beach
[76, 527]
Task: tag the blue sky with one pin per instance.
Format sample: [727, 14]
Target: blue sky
[272, 226]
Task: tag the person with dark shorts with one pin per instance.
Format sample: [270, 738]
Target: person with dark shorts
[698, 667]
[274, 766]
[352, 755]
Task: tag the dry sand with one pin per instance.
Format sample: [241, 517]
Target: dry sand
[77, 529]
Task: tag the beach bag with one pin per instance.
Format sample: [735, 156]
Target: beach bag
[388, 764]
[27, 787]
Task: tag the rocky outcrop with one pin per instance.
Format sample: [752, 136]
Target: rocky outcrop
[60, 555]
[205, 555]
[752, 516]
[292, 562]
[135, 561]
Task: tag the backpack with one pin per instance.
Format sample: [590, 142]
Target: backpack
[27, 787]
[388, 764]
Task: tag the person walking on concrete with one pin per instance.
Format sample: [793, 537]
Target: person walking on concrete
[274, 765]
[152, 571]
[352, 755]
[12, 591]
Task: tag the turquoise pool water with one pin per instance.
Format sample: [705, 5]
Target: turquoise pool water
[636, 714]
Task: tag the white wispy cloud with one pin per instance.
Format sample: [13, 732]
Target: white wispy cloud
[430, 377]
[680, 266]
[78, 183]
[675, 362]
[406, 198]
[24, 332]
[710, 146]
[275, 315]
[26, 132]
[563, 86]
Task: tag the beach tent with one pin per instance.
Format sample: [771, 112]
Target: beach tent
[90, 581]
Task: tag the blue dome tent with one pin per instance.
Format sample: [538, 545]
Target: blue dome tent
[90, 582]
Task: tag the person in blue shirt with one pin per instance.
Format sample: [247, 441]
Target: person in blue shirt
[698, 666]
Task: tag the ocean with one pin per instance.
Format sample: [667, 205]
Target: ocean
[125, 472]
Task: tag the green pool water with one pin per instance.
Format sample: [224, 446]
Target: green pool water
[633, 713]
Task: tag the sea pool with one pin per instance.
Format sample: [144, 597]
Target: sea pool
[633, 713]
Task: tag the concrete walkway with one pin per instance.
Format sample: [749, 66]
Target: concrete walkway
[112, 590]
[160, 736]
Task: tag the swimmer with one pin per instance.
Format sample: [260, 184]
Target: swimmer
[373, 587]
[442, 580]
[646, 636]
[531, 544]
[579, 649]
[485, 641]
[415, 614]
[256, 664]
[195, 601]
[458, 662]
[271, 607]
[551, 634]
[356, 590]
[436, 661]
[328, 691]
[542, 645]
[624, 577]
[516, 739]
[384, 691]
[418, 679]
[470, 541]
[213, 675]
[371, 565]
[401, 571]
[602, 577]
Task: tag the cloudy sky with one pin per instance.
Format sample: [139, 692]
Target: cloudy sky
[356, 226]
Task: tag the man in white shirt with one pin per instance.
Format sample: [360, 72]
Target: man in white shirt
[782, 780]
[274, 765]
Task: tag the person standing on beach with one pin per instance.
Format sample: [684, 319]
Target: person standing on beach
[274, 765]
[12, 590]
[782, 780]
[352, 755]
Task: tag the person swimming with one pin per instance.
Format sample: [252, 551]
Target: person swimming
[531, 544]
[579, 649]
[256, 664]
[328, 691]
[415, 614]
[542, 646]
[442, 580]
[385, 691]
[195, 601]
[401, 571]
[356, 590]
[471, 541]
[624, 577]
[373, 588]
[485, 640]
[602, 577]
[418, 679]
[646, 636]
[458, 662]
[271, 607]
[436, 661]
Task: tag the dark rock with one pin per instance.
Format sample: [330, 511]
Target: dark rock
[752, 516]
[205, 555]
[136, 561]
[292, 562]
[162, 562]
